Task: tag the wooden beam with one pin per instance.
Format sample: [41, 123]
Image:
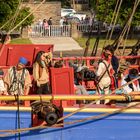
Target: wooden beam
[136, 96]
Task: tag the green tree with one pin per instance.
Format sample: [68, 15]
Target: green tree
[22, 14]
[105, 8]
[7, 11]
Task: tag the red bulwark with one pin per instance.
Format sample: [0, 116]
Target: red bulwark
[62, 82]
[10, 53]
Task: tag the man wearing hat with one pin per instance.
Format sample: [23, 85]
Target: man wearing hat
[18, 79]
[135, 86]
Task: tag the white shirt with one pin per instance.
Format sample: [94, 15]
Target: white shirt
[105, 81]
[127, 89]
[61, 22]
[2, 87]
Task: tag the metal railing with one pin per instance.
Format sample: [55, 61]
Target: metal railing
[61, 30]
[50, 31]
[87, 28]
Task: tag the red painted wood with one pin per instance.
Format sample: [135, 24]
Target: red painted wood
[62, 82]
[10, 54]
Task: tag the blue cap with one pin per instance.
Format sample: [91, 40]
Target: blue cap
[23, 60]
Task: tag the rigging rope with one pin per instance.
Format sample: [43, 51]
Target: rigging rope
[95, 47]
[101, 98]
[27, 16]
[13, 17]
[115, 20]
[10, 132]
[18, 113]
[116, 7]
[2, 47]
[26, 129]
[124, 45]
[128, 23]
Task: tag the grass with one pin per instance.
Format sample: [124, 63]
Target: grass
[82, 42]
[21, 41]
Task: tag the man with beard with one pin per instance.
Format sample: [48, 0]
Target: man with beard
[18, 79]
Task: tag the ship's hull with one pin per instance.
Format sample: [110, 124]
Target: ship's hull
[122, 126]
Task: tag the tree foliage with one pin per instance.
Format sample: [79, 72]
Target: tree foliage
[22, 14]
[105, 9]
[8, 9]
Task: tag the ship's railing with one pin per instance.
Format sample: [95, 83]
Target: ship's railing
[70, 97]
[136, 96]
[87, 60]
[90, 85]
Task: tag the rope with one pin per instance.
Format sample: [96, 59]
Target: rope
[128, 23]
[95, 47]
[101, 98]
[10, 132]
[116, 7]
[2, 47]
[15, 15]
[115, 20]
[103, 115]
[89, 37]
[6, 23]
[18, 102]
[27, 16]
[9, 20]
[134, 9]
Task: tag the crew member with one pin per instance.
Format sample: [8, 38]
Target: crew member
[104, 73]
[41, 67]
[115, 65]
[135, 86]
[18, 79]
[2, 84]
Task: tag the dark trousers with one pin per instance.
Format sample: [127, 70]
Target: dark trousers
[43, 89]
